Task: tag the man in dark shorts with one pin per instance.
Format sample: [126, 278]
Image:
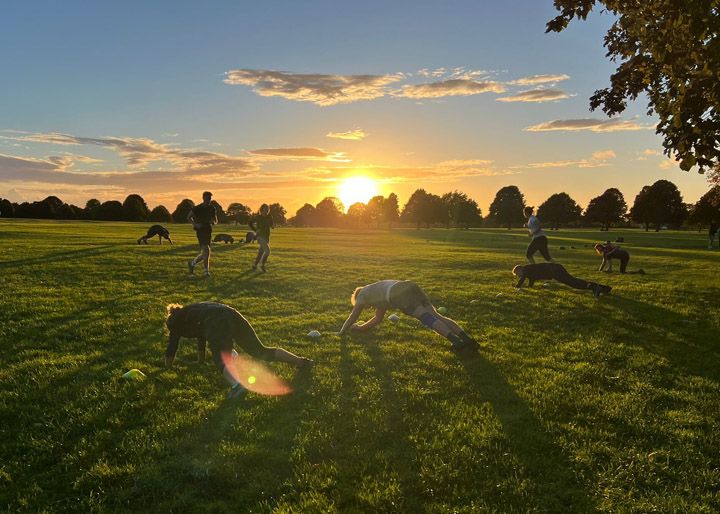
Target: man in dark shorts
[539, 242]
[203, 217]
[219, 326]
[553, 271]
[405, 296]
[261, 225]
[155, 230]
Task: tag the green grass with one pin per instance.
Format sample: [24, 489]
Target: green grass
[574, 404]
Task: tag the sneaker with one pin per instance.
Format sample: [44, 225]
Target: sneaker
[207, 274]
[605, 289]
[236, 391]
[191, 267]
[471, 343]
[262, 268]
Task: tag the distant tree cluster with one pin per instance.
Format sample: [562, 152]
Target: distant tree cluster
[657, 205]
[134, 208]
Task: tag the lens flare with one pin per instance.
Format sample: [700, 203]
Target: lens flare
[254, 376]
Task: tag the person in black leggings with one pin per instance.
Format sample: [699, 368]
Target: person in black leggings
[218, 325]
[539, 242]
[553, 271]
[155, 230]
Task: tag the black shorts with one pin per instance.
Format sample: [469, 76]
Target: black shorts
[539, 244]
[204, 235]
[407, 296]
[225, 331]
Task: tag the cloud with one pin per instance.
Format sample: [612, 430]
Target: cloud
[648, 152]
[535, 95]
[451, 87]
[320, 89]
[351, 135]
[540, 79]
[140, 152]
[598, 159]
[591, 124]
[300, 153]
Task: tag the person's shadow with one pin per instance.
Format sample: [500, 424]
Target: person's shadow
[556, 484]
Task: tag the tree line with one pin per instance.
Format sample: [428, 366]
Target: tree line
[657, 205]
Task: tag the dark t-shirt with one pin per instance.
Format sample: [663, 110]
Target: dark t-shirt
[216, 323]
[204, 215]
[158, 230]
[540, 271]
[262, 225]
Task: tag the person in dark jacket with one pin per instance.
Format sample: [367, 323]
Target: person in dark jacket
[220, 327]
[203, 216]
[155, 230]
[554, 271]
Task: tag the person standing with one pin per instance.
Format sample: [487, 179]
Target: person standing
[261, 225]
[539, 242]
[203, 216]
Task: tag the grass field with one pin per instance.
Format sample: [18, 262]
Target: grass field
[574, 404]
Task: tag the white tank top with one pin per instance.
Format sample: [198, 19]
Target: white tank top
[376, 294]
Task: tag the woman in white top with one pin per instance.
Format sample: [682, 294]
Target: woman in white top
[407, 297]
[539, 241]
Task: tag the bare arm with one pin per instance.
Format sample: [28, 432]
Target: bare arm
[171, 349]
[604, 261]
[352, 318]
[371, 323]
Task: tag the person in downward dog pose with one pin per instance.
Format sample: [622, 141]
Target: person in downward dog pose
[553, 271]
[220, 327]
[261, 225]
[407, 297]
[539, 242]
[155, 230]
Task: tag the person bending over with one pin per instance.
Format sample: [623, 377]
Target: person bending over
[203, 217]
[609, 252]
[220, 327]
[261, 225]
[539, 242]
[407, 297]
[553, 271]
[155, 230]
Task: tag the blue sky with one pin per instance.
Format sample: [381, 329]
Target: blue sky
[101, 99]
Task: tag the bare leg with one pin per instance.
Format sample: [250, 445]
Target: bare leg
[442, 325]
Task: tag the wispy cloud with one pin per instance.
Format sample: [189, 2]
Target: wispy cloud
[316, 88]
[591, 124]
[140, 152]
[648, 152]
[450, 87]
[540, 79]
[535, 95]
[598, 159]
[300, 153]
[351, 135]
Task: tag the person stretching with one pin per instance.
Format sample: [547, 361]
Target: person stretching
[155, 230]
[609, 252]
[203, 217]
[261, 225]
[407, 297]
[219, 326]
[550, 271]
[539, 242]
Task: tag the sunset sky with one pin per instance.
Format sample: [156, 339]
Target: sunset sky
[281, 101]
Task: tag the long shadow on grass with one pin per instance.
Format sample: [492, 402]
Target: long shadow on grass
[53, 257]
[555, 481]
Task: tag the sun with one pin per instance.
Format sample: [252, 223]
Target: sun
[356, 189]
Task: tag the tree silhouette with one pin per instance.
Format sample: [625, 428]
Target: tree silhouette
[304, 217]
[424, 208]
[91, 208]
[707, 209]
[507, 207]
[329, 212]
[7, 210]
[239, 213]
[356, 214]
[135, 208]
[182, 210]
[111, 210]
[462, 210]
[606, 209]
[391, 209]
[278, 213]
[559, 209]
[160, 213]
[660, 204]
[374, 210]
